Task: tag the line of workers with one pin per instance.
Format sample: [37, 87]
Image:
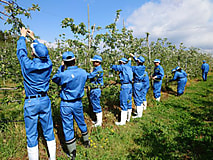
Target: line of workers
[72, 80]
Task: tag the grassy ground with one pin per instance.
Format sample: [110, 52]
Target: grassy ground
[176, 128]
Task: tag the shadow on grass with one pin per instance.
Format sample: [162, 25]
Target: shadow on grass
[168, 90]
[194, 141]
[204, 112]
[157, 144]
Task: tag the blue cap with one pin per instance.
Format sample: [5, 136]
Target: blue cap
[68, 56]
[141, 59]
[124, 60]
[96, 58]
[204, 61]
[156, 61]
[173, 70]
[40, 50]
[177, 68]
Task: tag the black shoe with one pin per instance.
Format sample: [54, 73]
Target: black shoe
[73, 155]
[87, 144]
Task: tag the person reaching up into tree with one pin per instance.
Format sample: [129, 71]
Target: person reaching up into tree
[72, 81]
[138, 75]
[37, 104]
[96, 78]
[126, 76]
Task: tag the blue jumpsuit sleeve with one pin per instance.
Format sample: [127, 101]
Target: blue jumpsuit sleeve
[207, 68]
[129, 63]
[135, 59]
[175, 77]
[57, 78]
[92, 74]
[160, 74]
[133, 69]
[117, 67]
[184, 73]
[36, 41]
[22, 53]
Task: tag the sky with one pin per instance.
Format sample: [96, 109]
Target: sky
[181, 21]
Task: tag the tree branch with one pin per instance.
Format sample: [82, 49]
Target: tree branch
[5, 2]
[4, 14]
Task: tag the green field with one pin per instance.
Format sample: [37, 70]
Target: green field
[176, 128]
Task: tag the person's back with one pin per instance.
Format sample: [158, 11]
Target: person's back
[36, 72]
[72, 81]
[138, 87]
[179, 75]
[138, 72]
[126, 76]
[205, 70]
[205, 67]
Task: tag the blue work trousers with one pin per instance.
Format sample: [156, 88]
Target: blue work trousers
[204, 76]
[157, 88]
[126, 97]
[181, 86]
[144, 92]
[138, 93]
[95, 95]
[70, 110]
[34, 109]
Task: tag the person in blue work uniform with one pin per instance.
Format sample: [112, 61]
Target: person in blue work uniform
[205, 70]
[96, 78]
[138, 75]
[126, 76]
[37, 104]
[181, 77]
[146, 86]
[72, 81]
[157, 76]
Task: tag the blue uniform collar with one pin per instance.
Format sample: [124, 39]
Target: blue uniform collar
[72, 67]
[158, 66]
[96, 68]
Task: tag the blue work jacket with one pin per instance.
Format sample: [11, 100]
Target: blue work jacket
[125, 72]
[159, 72]
[138, 73]
[179, 75]
[72, 82]
[96, 76]
[205, 67]
[145, 79]
[36, 72]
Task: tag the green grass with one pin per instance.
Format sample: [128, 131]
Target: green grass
[176, 128]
